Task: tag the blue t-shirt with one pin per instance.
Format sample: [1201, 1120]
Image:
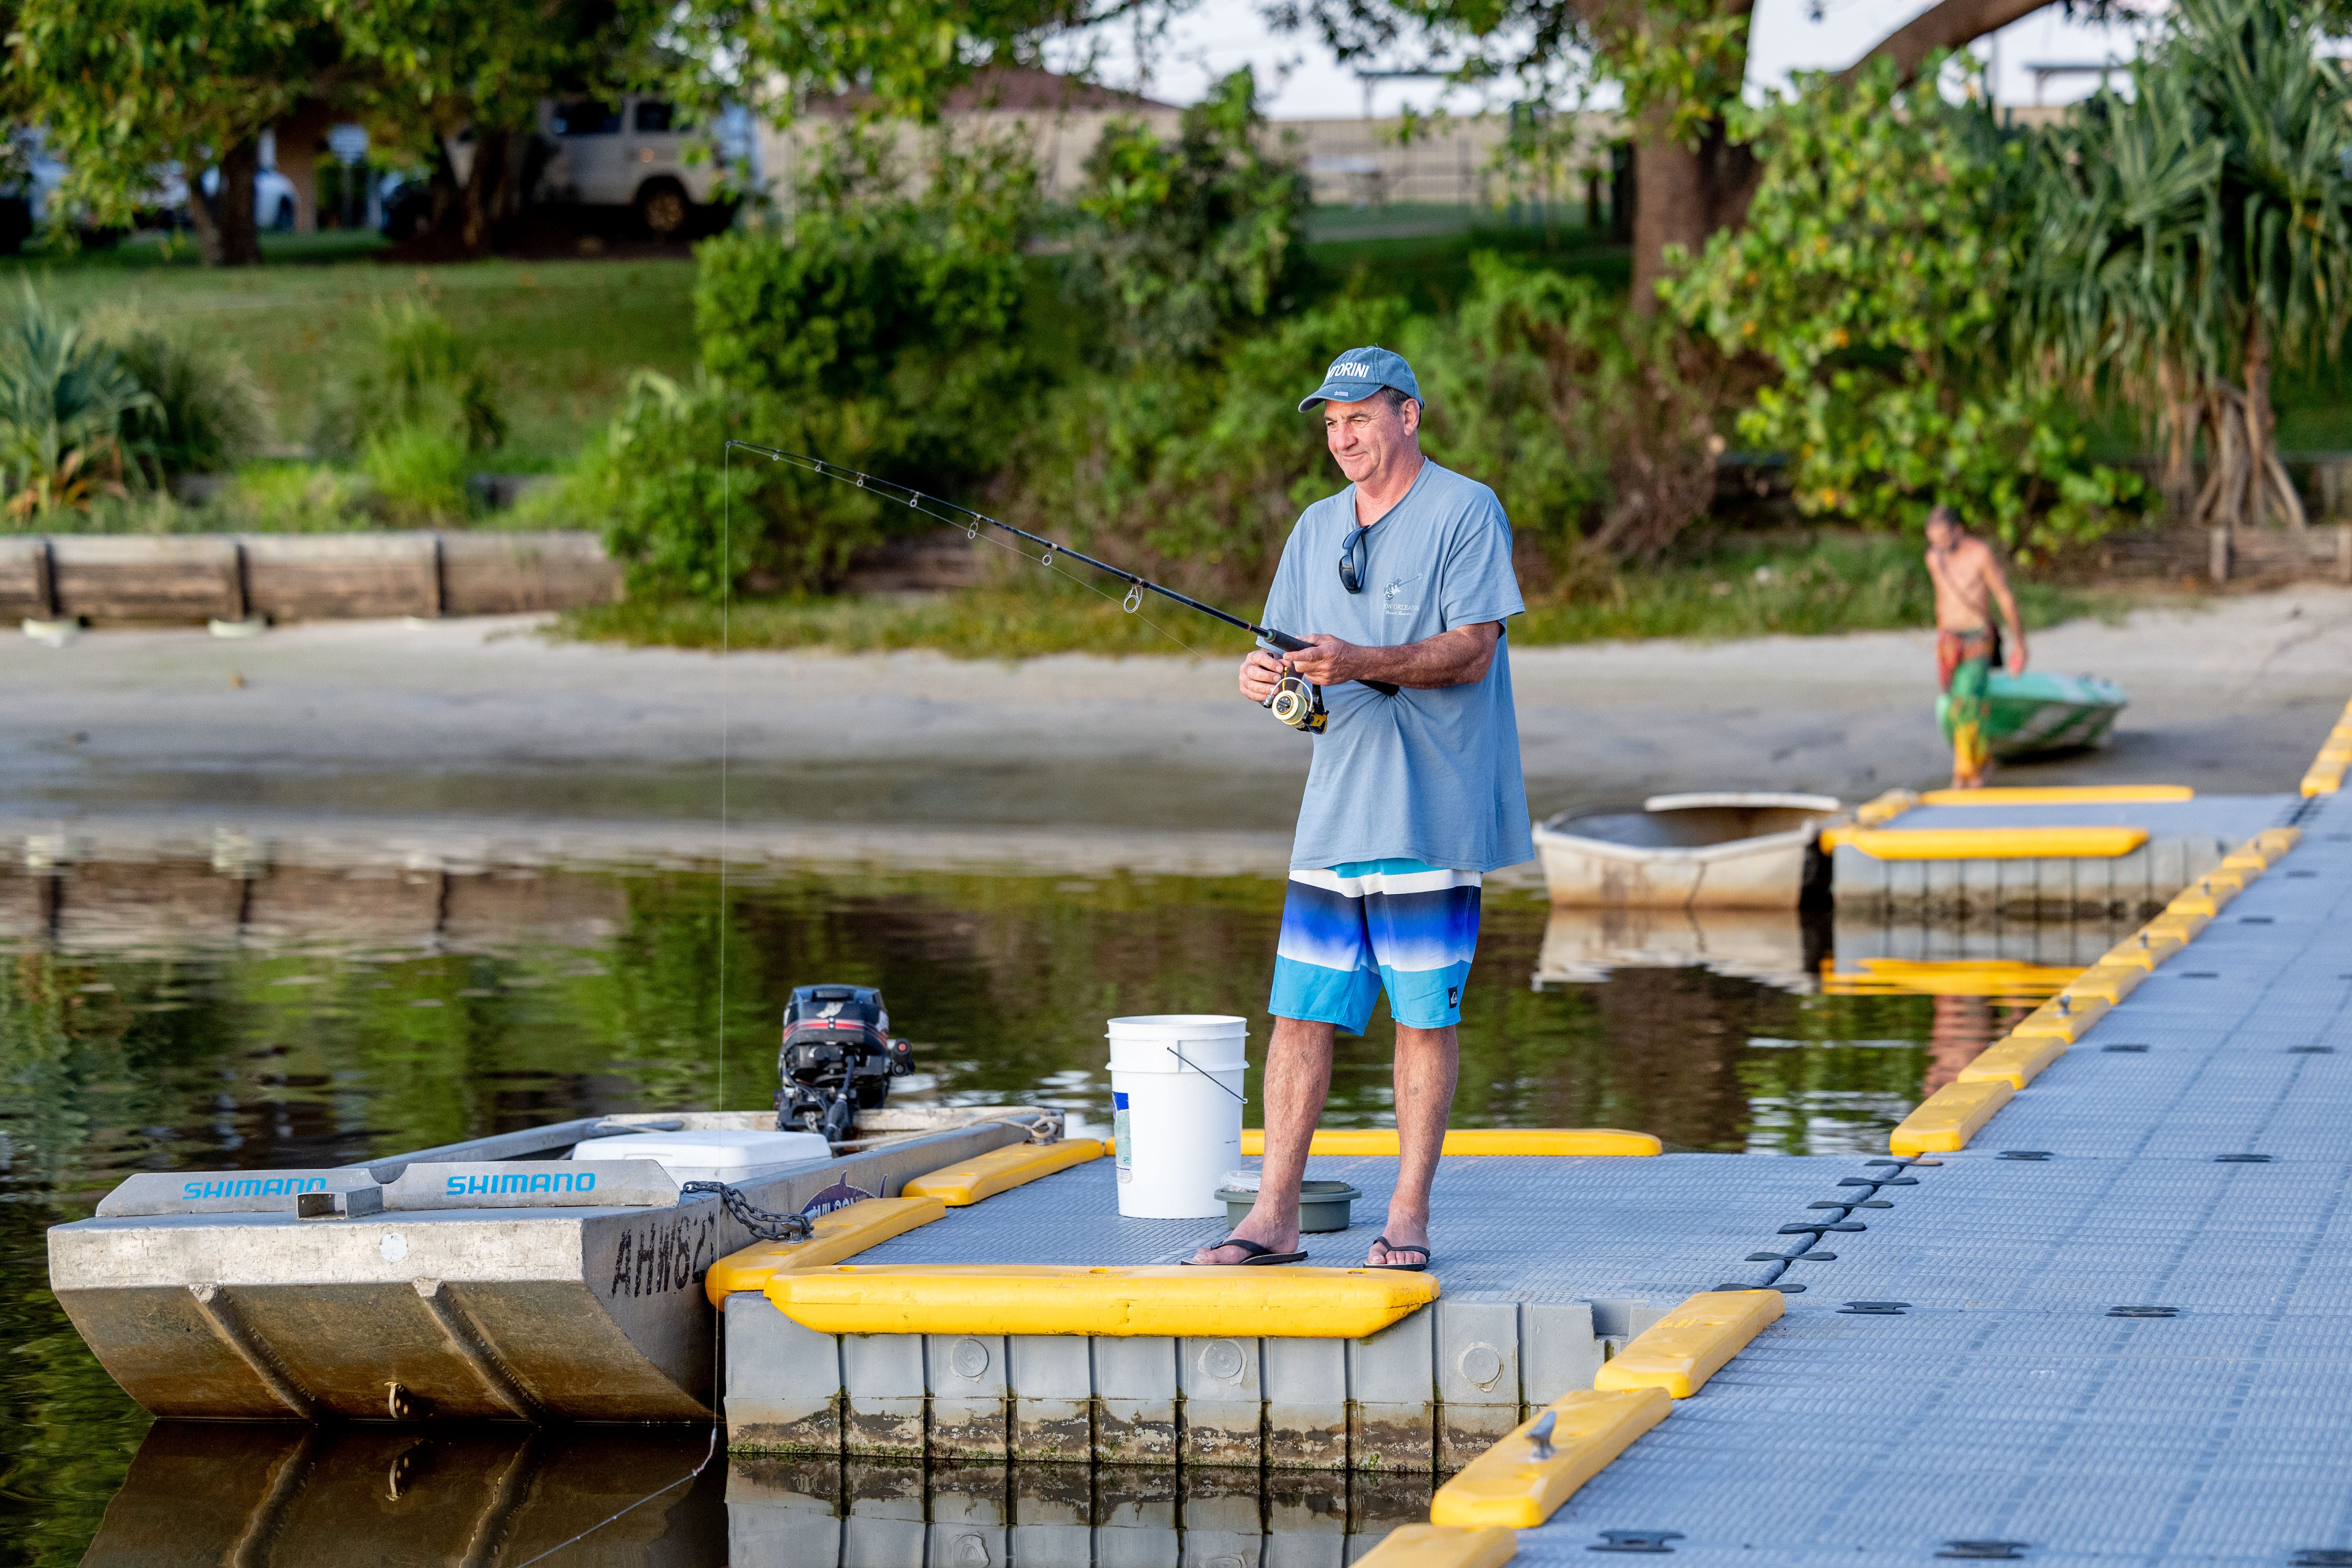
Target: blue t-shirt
[1432, 773]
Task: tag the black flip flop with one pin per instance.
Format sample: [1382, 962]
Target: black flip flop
[1257, 1254]
[1420, 1268]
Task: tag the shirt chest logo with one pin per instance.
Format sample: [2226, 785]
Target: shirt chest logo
[1393, 600]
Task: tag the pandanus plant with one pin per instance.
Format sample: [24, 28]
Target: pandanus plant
[2192, 235]
[63, 397]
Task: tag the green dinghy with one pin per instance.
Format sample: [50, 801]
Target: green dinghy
[2040, 712]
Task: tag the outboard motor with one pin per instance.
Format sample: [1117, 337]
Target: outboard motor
[837, 1060]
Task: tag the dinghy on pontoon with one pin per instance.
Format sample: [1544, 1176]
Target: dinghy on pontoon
[1736, 848]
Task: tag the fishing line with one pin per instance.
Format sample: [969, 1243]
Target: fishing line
[726, 606]
[1294, 700]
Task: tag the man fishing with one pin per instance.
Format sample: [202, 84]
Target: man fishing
[1405, 577]
[1969, 581]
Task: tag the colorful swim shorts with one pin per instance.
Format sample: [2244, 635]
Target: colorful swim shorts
[1351, 930]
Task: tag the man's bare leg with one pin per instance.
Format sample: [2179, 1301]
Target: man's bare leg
[1427, 1064]
[1298, 1077]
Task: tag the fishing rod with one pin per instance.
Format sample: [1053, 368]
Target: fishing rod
[1296, 700]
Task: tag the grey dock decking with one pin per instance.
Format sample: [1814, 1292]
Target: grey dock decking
[2005, 1403]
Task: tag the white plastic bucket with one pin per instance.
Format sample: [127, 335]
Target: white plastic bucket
[1176, 1111]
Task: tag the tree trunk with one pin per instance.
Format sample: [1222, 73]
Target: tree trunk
[476, 217]
[225, 234]
[1681, 196]
[2222, 503]
[2268, 488]
[2182, 417]
[2183, 414]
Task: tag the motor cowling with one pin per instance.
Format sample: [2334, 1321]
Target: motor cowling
[837, 1058]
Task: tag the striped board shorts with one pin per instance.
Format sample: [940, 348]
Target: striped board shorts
[1353, 930]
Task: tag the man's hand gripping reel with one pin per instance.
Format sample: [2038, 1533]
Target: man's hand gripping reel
[1298, 701]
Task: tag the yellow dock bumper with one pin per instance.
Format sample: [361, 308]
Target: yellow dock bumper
[2106, 981]
[2064, 1017]
[2207, 896]
[2059, 795]
[1949, 1118]
[1690, 1344]
[1001, 1170]
[2143, 950]
[1510, 1485]
[2013, 1061]
[1559, 1140]
[2180, 925]
[1108, 1303]
[1987, 843]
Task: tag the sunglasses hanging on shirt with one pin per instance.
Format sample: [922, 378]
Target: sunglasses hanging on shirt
[1355, 555]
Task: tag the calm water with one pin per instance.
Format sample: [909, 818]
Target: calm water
[164, 1015]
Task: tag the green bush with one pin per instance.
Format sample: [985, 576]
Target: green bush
[858, 288]
[291, 498]
[417, 372]
[419, 471]
[1596, 427]
[883, 336]
[689, 517]
[1876, 273]
[1196, 473]
[1189, 239]
[1596, 431]
[209, 411]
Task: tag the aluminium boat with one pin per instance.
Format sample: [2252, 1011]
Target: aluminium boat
[503, 1278]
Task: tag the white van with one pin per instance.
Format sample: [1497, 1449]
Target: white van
[631, 152]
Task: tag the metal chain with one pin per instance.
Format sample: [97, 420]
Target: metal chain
[760, 1222]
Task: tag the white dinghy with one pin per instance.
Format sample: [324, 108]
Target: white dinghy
[1741, 848]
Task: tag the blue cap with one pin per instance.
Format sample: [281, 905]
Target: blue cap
[1360, 373]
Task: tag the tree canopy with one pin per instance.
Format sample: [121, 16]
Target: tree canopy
[123, 87]
[1879, 264]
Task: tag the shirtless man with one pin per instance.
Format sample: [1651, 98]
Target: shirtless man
[1968, 582]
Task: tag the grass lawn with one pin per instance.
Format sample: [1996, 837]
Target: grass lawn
[1433, 269]
[564, 334]
[1753, 588]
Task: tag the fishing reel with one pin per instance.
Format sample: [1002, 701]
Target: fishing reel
[837, 1058]
[1299, 703]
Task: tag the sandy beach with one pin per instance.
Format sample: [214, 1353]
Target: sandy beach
[487, 717]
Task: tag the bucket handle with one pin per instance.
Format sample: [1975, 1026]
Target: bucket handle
[1212, 1078]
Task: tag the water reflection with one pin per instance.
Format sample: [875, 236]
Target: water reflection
[253, 1495]
[784, 1513]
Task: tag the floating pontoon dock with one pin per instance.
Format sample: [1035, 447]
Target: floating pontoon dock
[1948, 856]
[2095, 1306]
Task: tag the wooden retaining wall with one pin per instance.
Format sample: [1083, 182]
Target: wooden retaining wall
[301, 576]
[143, 909]
[2322, 551]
